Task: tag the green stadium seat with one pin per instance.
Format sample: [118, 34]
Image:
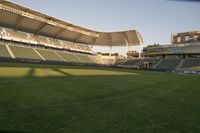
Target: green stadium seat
[50, 55]
[168, 64]
[4, 52]
[25, 53]
[69, 57]
[191, 64]
[85, 59]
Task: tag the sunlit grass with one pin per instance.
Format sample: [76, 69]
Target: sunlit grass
[57, 72]
[13, 72]
[93, 72]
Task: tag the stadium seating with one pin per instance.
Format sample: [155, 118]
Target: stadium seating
[95, 59]
[69, 57]
[84, 48]
[19, 36]
[151, 61]
[38, 47]
[50, 55]
[4, 52]
[85, 59]
[168, 64]
[191, 64]
[131, 62]
[139, 62]
[25, 53]
[120, 61]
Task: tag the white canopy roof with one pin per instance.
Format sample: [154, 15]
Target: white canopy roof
[21, 18]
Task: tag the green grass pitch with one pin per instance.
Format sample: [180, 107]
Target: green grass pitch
[61, 99]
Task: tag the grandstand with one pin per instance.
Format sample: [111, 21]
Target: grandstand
[52, 81]
[191, 64]
[4, 52]
[168, 64]
[53, 40]
[24, 53]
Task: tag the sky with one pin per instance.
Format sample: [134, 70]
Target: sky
[154, 19]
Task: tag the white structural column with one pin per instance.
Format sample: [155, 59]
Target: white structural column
[10, 52]
[111, 42]
[110, 50]
[39, 54]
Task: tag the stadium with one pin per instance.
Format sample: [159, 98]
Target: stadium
[51, 79]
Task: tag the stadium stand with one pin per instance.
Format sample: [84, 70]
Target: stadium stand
[168, 64]
[28, 52]
[69, 57]
[191, 64]
[139, 63]
[68, 44]
[50, 55]
[24, 53]
[108, 61]
[18, 36]
[4, 52]
[84, 58]
[131, 62]
[151, 61]
[120, 61]
[95, 59]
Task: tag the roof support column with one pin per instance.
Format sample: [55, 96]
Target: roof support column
[110, 50]
[111, 42]
[93, 42]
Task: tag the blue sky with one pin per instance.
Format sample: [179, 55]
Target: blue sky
[154, 19]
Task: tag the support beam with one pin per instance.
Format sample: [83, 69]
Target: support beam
[39, 54]
[58, 33]
[76, 39]
[19, 20]
[110, 50]
[93, 42]
[10, 51]
[111, 42]
[46, 20]
[42, 25]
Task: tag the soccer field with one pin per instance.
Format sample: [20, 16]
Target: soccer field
[61, 99]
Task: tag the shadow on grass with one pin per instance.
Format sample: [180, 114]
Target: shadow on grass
[62, 72]
[30, 73]
[34, 71]
[24, 65]
[13, 131]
